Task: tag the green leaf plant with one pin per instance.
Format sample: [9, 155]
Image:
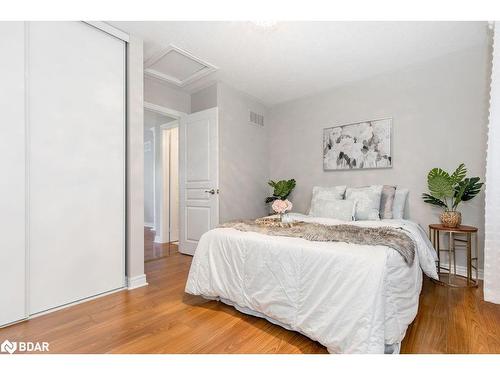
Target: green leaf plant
[282, 189]
[449, 190]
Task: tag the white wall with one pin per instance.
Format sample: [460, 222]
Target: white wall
[135, 163]
[166, 95]
[174, 184]
[204, 99]
[439, 111]
[244, 156]
[149, 162]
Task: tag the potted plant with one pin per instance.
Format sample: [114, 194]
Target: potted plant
[282, 189]
[449, 190]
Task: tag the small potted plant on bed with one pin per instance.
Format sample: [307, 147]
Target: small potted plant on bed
[449, 190]
[282, 190]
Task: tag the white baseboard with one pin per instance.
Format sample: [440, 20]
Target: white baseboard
[158, 239]
[36, 315]
[136, 282]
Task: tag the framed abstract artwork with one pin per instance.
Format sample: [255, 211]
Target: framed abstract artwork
[360, 145]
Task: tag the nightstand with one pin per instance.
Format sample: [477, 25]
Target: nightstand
[460, 236]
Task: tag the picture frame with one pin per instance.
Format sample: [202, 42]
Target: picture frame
[358, 145]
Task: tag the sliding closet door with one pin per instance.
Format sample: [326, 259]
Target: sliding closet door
[76, 107]
[12, 167]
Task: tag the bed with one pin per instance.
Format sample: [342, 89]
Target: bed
[350, 298]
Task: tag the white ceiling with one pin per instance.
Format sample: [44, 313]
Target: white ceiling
[296, 59]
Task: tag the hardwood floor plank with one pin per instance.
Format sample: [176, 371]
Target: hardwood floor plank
[427, 333]
[161, 318]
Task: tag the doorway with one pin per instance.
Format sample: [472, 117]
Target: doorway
[161, 182]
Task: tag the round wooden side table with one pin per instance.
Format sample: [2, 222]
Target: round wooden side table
[460, 236]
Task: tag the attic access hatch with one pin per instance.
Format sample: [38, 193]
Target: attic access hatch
[177, 66]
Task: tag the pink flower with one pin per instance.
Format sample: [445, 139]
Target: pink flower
[281, 206]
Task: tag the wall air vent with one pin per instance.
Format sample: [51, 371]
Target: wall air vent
[256, 118]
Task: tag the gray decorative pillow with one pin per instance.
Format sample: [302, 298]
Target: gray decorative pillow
[326, 193]
[368, 205]
[398, 208]
[334, 208]
[387, 201]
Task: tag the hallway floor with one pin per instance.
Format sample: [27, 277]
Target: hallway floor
[154, 250]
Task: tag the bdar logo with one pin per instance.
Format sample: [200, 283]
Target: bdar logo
[8, 347]
[23, 346]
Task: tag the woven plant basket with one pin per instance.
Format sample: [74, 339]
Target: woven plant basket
[451, 219]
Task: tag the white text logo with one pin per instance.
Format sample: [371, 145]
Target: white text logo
[23, 346]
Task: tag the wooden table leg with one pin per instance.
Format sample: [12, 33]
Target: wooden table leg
[436, 234]
[469, 258]
[454, 254]
[477, 258]
[449, 257]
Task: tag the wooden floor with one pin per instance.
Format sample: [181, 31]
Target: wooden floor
[154, 250]
[161, 318]
[453, 320]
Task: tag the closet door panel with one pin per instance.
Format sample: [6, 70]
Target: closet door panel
[77, 163]
[12, 167]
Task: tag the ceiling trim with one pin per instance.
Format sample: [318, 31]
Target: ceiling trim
[111, 30]
[208, 68]
[163, 110]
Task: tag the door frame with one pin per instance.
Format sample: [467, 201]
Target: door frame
[178, 116]
[167, 237]
[152, 225]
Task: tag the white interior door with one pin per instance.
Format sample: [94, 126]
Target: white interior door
[12, 165]
[199, 177]
[76, 109]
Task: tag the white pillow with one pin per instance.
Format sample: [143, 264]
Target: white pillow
[334, 209]
[327, 193]
[368, 205]
[398, 207]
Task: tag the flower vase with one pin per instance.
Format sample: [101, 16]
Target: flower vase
[281, 207]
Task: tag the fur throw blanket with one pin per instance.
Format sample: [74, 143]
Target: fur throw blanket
[395, 238]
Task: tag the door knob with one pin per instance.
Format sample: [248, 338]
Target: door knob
[210, 191]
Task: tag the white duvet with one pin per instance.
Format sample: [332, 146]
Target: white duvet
[350, 298]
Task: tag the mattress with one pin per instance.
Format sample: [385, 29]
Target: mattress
[350, 298]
